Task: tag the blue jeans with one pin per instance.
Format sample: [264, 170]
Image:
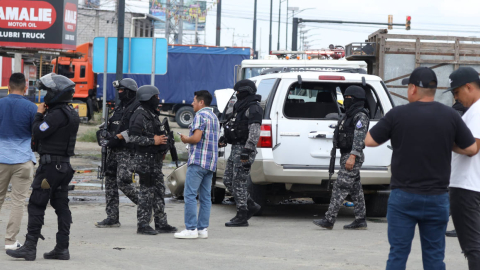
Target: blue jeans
[405, 211]
[199, 180]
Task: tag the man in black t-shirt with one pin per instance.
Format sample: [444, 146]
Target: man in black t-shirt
[422, 136]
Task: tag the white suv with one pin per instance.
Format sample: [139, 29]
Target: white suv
[301, 111]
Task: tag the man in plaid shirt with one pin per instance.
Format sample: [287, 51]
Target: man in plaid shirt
[202, 162]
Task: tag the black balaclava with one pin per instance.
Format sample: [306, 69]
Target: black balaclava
[242, 95]
[152, 104]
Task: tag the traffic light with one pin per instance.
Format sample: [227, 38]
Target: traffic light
[390, 22]
[409, 21]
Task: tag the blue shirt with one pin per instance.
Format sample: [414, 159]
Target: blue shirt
[205, 152]
[16, 118]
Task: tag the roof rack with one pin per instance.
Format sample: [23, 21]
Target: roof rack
[312, 69]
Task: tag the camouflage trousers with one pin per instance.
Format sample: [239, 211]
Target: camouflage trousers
[236, 176]
[151, 195]
[118, 175]
[348, 182]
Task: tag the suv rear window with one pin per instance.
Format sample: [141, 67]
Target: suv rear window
[318, 100]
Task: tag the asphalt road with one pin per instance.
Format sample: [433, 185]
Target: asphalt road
[284, 238]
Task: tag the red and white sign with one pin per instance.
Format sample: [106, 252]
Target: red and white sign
[70, 20]
[33, 15]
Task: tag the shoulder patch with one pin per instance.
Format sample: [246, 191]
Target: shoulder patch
[44, 126]
[359, 124]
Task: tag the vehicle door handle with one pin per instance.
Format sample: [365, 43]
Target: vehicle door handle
[320, 135]
[333, 126]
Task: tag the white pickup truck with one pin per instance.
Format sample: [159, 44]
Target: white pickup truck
[300, 113]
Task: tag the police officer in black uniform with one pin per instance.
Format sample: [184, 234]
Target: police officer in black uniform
[242, 131]
[118, 172]
[148, 135]
[350, 136]
[54, 135]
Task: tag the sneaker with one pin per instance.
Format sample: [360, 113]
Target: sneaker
[187, 234]
[203, 234]
[13, 246]
[324, 223]
[107, 223]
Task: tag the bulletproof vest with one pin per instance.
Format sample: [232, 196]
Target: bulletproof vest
[124, 122]
[62, 142]
[236, 127]
[115, 121]
[346, 132]
[158, 129]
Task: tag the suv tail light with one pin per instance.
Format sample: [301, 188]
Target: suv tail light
[265, 137]
[331, 78]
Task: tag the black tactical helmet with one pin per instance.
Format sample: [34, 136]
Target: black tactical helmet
[355, 91]
[126, 83]
[59, 88]
[245, 85]
[146, 92]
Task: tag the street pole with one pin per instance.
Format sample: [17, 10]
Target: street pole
[120, 37]
[270, 37]
[294, 33]
[286, 31]
[254, 45]
[167, 22]
[279, 12]
[219, 22]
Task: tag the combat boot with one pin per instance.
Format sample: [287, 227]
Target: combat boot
[108, 223]
[146, 230]
[58, 253]
[253, 208]
[28, 251]
[165, 229]
[324, 223]
[240, 221]
[357, 224]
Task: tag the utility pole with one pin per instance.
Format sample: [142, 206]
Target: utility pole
[254, 45]
[167, 21]
[270, 37]
[279, 12]
[219, 22]
[286, 31]
[120, 37]
[196, 30]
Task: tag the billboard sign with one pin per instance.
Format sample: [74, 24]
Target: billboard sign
[48, 24]
[189, 13]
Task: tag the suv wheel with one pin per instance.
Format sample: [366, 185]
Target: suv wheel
[376, 204]
[184, 116]
[258, 193]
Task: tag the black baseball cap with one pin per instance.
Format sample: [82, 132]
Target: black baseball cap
[422, 77]
[462, 76]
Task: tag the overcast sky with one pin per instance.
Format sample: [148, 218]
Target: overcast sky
[429, 17]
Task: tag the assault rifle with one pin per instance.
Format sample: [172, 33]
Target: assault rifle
[103, 136]
[170, 141]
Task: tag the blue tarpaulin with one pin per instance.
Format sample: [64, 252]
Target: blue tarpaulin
[189, 69]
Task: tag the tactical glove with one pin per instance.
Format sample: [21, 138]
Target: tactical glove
[245, 155]
[114, 142]
[222, 141]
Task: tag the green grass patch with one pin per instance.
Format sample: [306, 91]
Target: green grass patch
[89, 136]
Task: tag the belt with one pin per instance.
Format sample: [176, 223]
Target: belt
[47, 159]
[239, 143]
